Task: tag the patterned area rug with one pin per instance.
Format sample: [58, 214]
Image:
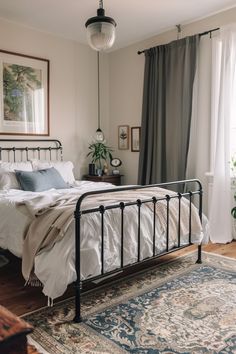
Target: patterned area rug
[178, 307]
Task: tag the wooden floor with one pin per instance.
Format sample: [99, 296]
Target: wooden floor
[22, 299]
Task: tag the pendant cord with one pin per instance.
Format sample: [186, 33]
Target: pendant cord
[98, 90]
[100, 4]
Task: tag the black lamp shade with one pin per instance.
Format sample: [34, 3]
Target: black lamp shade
[100, 31]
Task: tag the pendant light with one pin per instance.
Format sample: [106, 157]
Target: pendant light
[99, 133]
[100, 30]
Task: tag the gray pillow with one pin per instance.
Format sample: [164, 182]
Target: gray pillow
[41, 180]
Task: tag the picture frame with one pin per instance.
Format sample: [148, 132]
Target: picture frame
[135, 139]
[24, 94]
[123, 137]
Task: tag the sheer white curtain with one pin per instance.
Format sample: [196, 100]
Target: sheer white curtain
[222, 111]
[199, 148]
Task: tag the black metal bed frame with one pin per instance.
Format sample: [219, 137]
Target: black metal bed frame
[55, 145]
[122, 206]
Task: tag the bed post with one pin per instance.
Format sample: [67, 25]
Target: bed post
[199, 253]
[78, 284]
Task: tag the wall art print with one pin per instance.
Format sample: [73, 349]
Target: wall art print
[135, 139]
[24, 94]
[123, 137]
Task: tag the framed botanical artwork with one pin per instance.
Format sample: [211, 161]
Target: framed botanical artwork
[24, 94]
[135, 138]
[123, 137]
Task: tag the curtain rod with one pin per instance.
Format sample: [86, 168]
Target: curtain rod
[200, 34]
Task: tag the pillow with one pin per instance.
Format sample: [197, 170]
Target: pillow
[65, 168]
[7, 173]
[41, 180]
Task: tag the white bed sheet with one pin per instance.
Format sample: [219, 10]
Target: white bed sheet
[55, 267]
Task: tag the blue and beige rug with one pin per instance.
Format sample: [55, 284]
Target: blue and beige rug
[178, 307]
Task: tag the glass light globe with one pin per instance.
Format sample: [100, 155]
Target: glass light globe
[100, 30]
[101, 35]
[99, 136]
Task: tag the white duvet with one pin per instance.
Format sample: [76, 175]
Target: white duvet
[55, 267]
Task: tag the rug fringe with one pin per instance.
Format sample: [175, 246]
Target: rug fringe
[50, 302]
[33, 281]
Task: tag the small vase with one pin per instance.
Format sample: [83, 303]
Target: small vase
[99, 172]
[105, 169]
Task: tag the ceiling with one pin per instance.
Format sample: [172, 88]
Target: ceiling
[136, 19]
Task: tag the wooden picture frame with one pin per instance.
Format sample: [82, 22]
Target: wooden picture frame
[135, 139]
[24, 94]
[123, 137]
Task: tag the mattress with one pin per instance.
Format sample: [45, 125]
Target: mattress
[55, 267]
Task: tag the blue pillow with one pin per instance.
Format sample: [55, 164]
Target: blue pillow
[41, 180]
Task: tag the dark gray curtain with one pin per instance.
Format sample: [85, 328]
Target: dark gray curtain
[166, 114]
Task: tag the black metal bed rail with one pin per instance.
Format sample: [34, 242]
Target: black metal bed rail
[130, 265]
[144, 201]
[54, 145]
[122, 206]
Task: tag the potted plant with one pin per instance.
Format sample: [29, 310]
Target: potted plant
[233, 211]
[233, 166]
[99, 151]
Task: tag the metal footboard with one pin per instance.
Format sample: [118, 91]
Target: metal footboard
[197, 191]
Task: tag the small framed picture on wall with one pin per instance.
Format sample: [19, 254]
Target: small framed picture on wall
[123, 137]
[135, 139]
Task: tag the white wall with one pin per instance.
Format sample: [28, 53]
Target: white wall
[73, 87]
[126, 84]
[126, 78]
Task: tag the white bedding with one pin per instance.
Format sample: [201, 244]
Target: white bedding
[55, 267]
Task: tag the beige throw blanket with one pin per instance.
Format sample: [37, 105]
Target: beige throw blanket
[49, 226]
[53, 215]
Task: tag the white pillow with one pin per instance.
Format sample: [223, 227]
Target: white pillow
[7, 173]
[65, 168]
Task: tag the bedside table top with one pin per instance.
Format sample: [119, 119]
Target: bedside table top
[115, 179]
[103, 176]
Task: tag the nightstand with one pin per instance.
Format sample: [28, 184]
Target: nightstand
[114, 179]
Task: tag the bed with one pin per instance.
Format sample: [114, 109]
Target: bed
[86, 231]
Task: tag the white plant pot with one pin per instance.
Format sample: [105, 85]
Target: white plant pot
[234, 228]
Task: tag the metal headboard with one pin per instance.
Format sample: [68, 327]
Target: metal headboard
[29, 148]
